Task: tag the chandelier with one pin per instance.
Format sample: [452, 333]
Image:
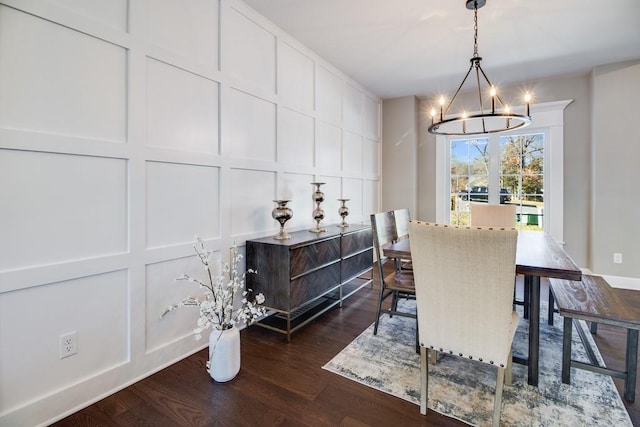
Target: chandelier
[497, 118]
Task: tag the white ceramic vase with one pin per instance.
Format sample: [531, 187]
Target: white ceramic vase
[224, 354]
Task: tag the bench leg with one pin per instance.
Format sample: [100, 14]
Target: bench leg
[593, 327]
[566, 350]
[552, 304]
[631, 365]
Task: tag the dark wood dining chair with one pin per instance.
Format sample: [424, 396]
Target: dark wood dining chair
[402, 217]
[396, 284]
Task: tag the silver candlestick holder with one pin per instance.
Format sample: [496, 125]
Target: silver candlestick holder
[343, 211]
[282, 214]
[318, 213]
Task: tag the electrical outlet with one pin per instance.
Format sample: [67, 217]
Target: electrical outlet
[617, 258]
[68, 344]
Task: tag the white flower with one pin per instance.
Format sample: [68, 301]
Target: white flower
[217, 306]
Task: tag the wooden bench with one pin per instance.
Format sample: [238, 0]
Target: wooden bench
[594, 300]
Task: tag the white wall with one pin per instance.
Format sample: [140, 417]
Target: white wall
[615, 155]
[127, 128]
[399, 165]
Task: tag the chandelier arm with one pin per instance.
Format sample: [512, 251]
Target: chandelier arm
[479, 89]
[477, 64]
[457, 91]
[490, 84]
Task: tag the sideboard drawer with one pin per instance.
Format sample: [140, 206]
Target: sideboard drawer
[312, 285]
[356, 242]
[356, 264]
[309, 257]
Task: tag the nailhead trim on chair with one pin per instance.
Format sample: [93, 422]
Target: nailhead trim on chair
[464, 226]
[462, 355]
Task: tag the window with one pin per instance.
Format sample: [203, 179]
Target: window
[519, 173]
[525, 168]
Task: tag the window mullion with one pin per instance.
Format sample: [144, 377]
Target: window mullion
[494, 169]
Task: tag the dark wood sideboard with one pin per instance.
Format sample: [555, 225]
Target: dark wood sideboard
[305, 276]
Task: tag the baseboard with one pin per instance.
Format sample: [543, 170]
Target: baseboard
[618, 281]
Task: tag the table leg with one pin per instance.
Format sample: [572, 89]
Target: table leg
[566, 350]
[631, 365]
[526, 297]
[534, 327]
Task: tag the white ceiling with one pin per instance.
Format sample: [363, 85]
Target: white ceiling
[419, 47]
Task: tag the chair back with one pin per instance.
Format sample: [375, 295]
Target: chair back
[486, 215]
[464, 289]
[383, 227]
[402, 218]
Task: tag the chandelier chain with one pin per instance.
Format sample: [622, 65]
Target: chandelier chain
[475, 30]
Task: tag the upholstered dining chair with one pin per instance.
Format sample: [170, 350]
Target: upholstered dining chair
[396, 284]
[486, 215]
[464, 289]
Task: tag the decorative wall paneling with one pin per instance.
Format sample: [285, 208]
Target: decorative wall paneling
[126, 128]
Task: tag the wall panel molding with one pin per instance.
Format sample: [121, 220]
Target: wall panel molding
[126, 128]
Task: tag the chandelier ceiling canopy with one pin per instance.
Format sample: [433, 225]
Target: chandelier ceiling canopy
[497, 117]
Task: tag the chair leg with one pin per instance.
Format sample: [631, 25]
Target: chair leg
[497, 406]
[424, 380]
[552, 304]
[508, 374]
[380, 298]
[394, 302]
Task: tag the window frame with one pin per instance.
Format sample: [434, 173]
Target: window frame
[547, 118]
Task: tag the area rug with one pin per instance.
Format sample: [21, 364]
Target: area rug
[464, 389]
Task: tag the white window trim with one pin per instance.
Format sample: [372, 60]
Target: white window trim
[547, 118]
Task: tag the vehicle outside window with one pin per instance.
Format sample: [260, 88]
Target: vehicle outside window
[481, 194]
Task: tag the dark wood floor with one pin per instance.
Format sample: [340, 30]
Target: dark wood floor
[283, 383]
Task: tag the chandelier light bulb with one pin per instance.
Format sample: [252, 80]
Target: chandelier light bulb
[527, 100]
[492, 92]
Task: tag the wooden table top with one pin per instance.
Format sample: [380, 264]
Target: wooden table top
[538, 254]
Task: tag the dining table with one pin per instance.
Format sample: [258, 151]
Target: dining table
[538, 255]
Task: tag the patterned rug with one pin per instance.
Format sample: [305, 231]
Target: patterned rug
[464, 389]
